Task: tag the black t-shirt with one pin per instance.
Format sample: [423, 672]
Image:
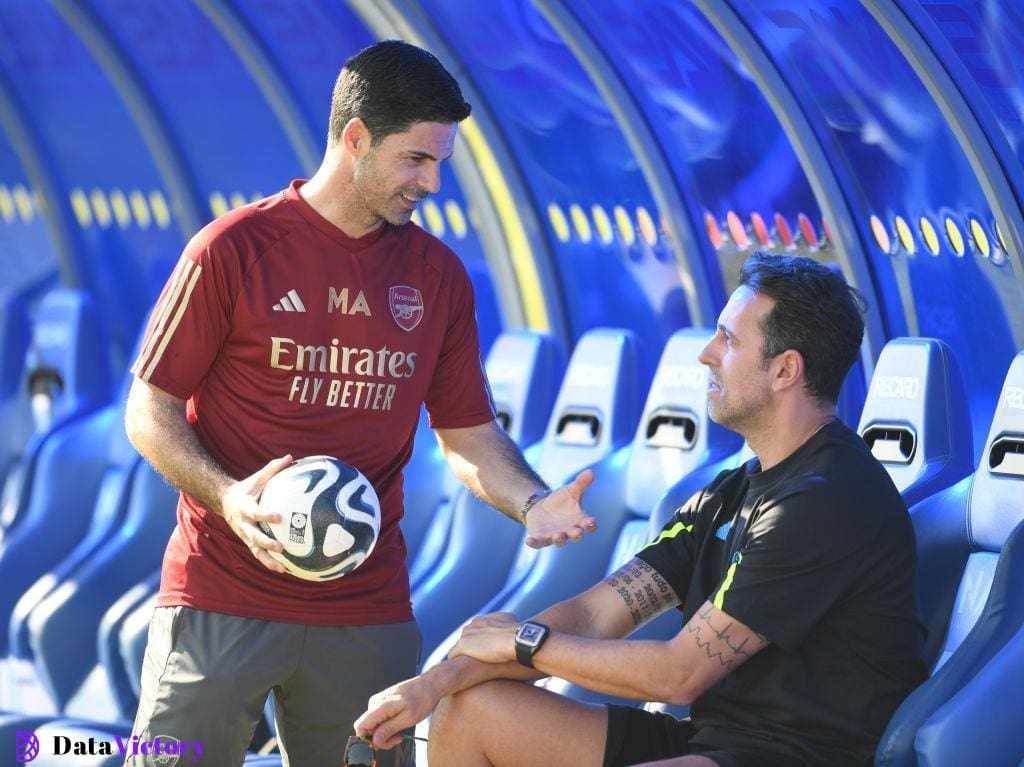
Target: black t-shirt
[818, 555]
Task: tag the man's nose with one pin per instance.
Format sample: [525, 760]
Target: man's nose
[705, 358]
[430, 179]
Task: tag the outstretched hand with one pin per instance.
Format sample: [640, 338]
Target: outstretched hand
[560, 517]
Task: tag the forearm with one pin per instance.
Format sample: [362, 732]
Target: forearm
[632, 669]
[493, 468]
[463, 672]
[162, 435]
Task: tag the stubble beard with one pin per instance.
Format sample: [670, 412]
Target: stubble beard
[367, 184]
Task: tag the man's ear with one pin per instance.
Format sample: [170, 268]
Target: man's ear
[355, 138]
[788, 370]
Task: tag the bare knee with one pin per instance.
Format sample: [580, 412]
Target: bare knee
[459, 711]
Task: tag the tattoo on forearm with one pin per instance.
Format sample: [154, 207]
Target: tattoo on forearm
[642, 589]
[719, 643]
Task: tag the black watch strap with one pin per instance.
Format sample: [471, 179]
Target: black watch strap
[525, 650]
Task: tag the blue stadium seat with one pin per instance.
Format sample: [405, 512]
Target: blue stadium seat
[15, 411]
[129, 524]
[594, 415]
[67, 368]
[970, 571]
[916, 417]
[133, 637]
[429, 486]
[850, 404]
[76, 607]
[968, 728]
[524, 369]
[63, 464]
[123, 676]
[675, 439]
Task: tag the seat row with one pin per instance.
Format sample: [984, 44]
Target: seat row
[86, 519]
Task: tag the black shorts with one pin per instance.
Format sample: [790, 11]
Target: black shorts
[636, 736]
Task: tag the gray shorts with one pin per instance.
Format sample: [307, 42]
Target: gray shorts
[206, 677]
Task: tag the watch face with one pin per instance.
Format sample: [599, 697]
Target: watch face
[530, 634]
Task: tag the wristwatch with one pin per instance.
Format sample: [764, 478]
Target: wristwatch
[529, 637]
[532, 501]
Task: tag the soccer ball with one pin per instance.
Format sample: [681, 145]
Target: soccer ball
[330, 517]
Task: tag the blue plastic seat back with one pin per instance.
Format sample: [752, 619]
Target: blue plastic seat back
[675, 435]
[524, 369]
[123, 680]
[427, 484]
[131, 521]
[133, 549]
[67, 370]
[578, 435]
[968, 728]
[995, 507]
[15, 410]
[597, 406]
[70, 339]
[916, 418]
[970, 569]
[850, 404]
[594, 414]
[133, 638]
[111, 505]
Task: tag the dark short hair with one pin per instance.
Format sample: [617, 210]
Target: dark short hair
[816, 313]
[392, 85]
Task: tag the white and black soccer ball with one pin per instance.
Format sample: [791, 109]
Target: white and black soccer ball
[330, 517]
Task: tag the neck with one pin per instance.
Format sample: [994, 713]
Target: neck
[331, 194]
[780, 436]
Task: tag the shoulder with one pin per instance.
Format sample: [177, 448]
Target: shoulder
[241, 236]
[721, 492]
[848, 498]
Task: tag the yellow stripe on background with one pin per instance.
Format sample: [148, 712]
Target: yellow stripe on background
[100, 208]
[193, 278]
[80, 205]
[729, 574]
[163, 309]
[23, 203]
[122, 212]
[161, 213]
[672, 532]
[6, 205]
[515, 235]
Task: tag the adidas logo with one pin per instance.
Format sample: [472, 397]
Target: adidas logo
[290, 303]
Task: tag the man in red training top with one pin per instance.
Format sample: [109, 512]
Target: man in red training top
[316, 321]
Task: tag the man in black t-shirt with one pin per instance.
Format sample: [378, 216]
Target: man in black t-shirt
[794, 575]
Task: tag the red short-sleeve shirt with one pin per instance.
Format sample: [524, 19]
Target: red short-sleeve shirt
[287, 336]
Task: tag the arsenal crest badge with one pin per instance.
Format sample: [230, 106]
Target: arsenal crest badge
[406, 306]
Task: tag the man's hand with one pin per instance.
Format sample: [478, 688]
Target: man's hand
[240, 508]
[489, 638]
[395, 709]
[560, 517]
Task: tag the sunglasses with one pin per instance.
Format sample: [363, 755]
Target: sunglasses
[359, 753]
